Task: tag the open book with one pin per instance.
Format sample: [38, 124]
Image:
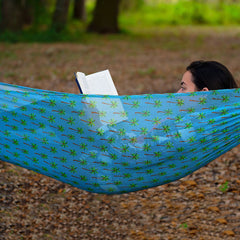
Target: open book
[97, 83]
[101, 83]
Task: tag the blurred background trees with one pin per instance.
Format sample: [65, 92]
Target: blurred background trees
[112, 16]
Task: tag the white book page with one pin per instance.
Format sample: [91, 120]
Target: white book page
[101, 83]
[97, 83]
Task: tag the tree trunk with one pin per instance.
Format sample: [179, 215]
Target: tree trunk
[105, 18]
[12, 15]
[60, 15]
[79, 11]
[28, 11]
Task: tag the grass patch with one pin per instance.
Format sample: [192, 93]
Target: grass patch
[224, 187]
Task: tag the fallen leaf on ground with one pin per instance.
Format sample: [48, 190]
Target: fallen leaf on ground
[229, 233]
[221, 220]
[214, 209]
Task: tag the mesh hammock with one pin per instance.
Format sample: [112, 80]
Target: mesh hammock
[116, 144]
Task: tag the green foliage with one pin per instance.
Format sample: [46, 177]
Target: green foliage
[183, 12]
[132, 5]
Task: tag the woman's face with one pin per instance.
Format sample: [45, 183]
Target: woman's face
[187, 84]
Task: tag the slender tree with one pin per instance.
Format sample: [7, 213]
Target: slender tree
[60, 15]
[105, 17]
[28, 10]
[79, 10]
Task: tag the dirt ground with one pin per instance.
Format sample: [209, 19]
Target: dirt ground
[204, 205]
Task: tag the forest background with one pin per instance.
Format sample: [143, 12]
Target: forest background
[68, 20]
[146, 45]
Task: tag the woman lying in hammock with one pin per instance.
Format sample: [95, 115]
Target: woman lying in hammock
[91, 143]
[205, 76]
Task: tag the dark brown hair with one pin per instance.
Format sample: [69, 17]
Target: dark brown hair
[211, 74]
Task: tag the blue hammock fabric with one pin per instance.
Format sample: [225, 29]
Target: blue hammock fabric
[116, 144]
